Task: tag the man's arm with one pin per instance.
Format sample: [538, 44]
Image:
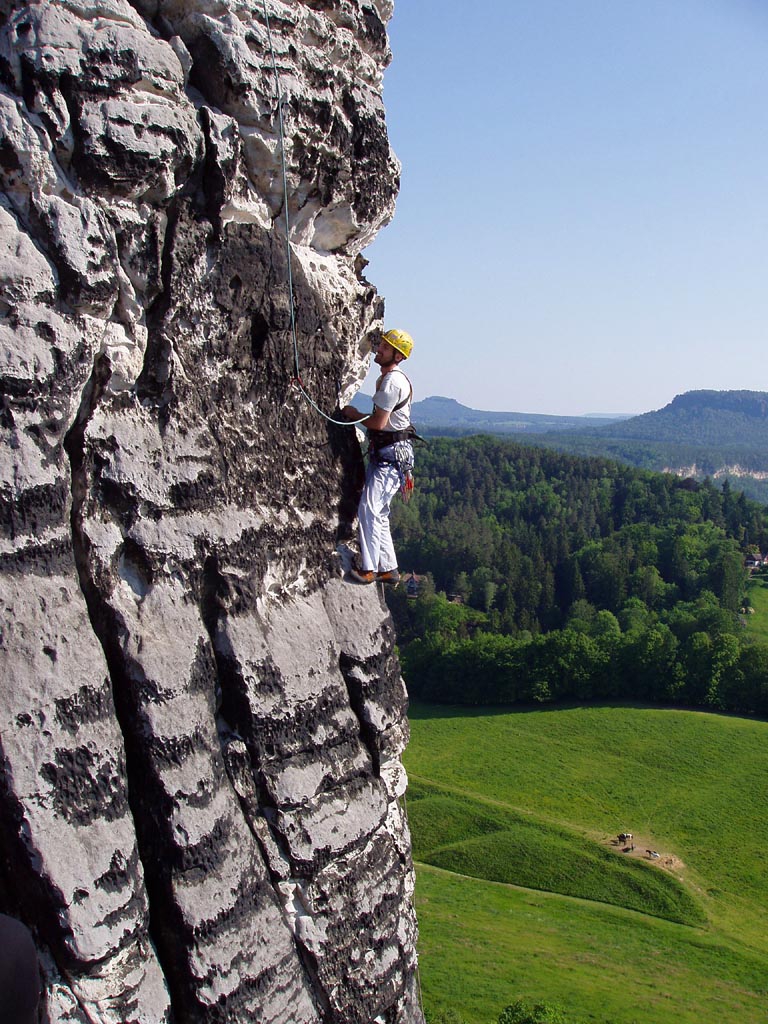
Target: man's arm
[377, 420]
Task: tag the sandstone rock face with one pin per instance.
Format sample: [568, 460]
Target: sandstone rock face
[200, 723]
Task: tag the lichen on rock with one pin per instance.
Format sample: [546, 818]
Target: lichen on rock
[200, 724]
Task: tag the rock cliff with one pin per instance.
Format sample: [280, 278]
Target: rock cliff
[200, 723]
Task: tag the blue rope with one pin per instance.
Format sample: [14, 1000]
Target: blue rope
[297, 380]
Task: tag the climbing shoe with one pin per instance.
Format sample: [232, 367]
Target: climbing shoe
[390, 576]
[362, 575]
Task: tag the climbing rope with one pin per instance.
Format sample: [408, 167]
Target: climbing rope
[297, 381]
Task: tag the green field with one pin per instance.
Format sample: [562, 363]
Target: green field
[522, 894]
[757, 624]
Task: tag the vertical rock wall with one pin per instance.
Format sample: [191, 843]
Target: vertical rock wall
[200, 723]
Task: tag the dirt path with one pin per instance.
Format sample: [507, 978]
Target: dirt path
[639, 847]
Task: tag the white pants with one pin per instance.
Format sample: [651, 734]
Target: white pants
[382, 482]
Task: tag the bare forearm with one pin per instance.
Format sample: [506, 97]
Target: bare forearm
[377, 420]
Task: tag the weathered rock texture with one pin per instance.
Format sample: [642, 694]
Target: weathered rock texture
[200, 723]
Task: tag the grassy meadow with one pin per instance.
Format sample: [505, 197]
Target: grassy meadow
[522, 893]
[757, 624]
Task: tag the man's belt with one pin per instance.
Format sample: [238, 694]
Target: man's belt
[382, 438]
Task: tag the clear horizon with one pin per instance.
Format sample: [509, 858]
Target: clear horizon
[583, 216]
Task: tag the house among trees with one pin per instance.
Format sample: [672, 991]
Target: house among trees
[412, 583]
[753, 561]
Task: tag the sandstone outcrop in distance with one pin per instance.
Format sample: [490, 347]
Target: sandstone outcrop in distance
[200, 723]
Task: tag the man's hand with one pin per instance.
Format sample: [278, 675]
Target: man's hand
[349, 412]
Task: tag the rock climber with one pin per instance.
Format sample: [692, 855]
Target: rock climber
[390, 458]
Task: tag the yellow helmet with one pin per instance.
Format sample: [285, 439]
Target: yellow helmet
[400, 340]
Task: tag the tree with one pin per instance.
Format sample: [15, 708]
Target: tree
[749, 691]
[727, 575]
[725, 671]
[647, 584]
[698, 658]
[650, 663]
[606, 628]
[483, 588]
[571, 662]
[635, 616]
[462, 586]
[581, 616]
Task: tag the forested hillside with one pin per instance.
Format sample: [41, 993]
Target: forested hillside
[721, 434]
[574, 578]
[703, 417]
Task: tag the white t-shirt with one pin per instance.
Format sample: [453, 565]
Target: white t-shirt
[391, 389]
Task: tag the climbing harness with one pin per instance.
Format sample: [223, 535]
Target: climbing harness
[296, 381]
[399, 455]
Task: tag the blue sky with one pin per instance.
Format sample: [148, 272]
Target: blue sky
[582, 224]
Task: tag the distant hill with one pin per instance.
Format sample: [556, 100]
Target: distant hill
[717, 434]
[437, 413]
[447, 417]
[703, 417]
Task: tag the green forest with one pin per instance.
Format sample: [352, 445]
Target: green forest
[650, 454]
[550, 577]
[716, 433]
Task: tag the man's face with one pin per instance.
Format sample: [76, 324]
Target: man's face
[385, 354]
